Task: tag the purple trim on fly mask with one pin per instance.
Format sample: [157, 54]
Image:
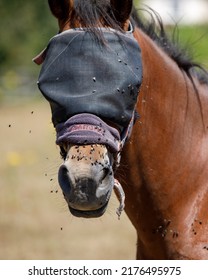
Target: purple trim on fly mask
[85, 129]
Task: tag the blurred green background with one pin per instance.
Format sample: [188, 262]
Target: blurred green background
[26, 27]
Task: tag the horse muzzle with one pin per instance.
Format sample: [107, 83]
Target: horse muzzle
[86, 179]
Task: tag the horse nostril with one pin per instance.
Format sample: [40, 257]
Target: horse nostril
[106, 172]
[63, 179]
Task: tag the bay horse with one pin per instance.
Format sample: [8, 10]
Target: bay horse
[164, 164]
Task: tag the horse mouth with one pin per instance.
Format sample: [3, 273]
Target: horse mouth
[89, 213]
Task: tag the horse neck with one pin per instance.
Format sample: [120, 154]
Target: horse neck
[167, 89]
[173, 113]
[168, 148]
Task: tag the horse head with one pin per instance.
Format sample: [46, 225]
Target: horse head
[91, 79]
[91, 75]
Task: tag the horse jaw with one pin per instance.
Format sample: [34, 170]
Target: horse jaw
[86, 179]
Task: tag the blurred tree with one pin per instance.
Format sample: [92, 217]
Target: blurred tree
[25, 28]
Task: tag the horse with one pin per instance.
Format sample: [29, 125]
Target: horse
[154, 151]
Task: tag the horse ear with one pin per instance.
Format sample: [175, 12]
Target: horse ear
[122, 9]
[59, 8]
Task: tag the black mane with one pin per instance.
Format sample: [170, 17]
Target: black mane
[155, 30]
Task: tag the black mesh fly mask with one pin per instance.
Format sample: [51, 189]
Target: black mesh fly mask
[89, 83]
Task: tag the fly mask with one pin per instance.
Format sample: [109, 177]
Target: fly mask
[81, 74]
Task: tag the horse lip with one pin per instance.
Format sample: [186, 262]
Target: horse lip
[89, 214]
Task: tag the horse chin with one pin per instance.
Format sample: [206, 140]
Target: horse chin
[87, 204]
[89, 213]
